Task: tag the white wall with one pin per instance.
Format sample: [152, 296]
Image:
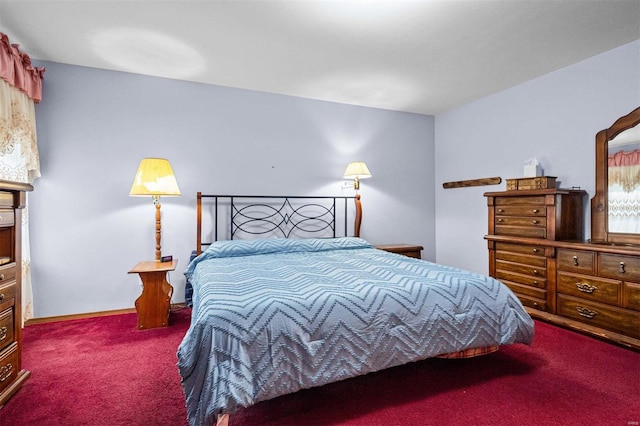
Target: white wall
[94, 126]
[554, 118]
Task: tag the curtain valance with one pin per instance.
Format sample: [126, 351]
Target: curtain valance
[16, 69]
[625, 158]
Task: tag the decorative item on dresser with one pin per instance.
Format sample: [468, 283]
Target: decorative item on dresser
[12, 376]
[539, 251]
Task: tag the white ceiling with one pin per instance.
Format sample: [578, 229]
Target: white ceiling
[418, 56]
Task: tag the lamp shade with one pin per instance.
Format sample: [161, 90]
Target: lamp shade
[155, 177]
[357, 169]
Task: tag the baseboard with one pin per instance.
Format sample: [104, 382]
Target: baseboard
[43, 320]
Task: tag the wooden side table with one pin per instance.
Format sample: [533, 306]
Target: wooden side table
[408, 250]
[154, 303]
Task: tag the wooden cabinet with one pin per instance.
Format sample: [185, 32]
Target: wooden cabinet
[545, 214]
[12, 376]
[592, 288]
[552, 214]
[408, 250]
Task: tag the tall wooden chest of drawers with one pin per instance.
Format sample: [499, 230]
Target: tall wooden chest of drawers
[12, 376]
[592, 288]
[547, 214]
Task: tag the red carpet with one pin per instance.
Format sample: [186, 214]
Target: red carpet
[102, 371]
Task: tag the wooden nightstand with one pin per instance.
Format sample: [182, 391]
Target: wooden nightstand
[404, 249]
[154, 303]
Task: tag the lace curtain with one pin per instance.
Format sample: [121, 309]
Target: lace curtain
[624, 192]
[20, 88]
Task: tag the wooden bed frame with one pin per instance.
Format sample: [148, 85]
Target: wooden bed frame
[281, 216]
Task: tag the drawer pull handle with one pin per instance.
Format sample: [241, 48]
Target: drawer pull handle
[5, 372]
[587, 313]
[499, 220]
[621, 270]
[535, 250]
[575, 261]
[535, 210]
[1, 277]
[1, 297]
[500, 210]
[3, 333]
[586, 288]
[535, 222]
[535, 272]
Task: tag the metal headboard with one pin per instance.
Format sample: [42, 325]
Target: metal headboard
[282, 216]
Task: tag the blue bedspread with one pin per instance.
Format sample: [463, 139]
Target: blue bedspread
[271, 317]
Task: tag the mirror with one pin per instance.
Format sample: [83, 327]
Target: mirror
[615, 209]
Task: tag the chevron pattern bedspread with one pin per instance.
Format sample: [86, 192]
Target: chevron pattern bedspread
[271, 317]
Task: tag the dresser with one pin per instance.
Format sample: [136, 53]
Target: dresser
[12, 376]
[536, 248]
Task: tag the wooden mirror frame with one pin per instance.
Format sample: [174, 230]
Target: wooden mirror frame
[599, 203]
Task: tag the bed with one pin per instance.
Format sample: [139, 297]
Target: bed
[273, 315]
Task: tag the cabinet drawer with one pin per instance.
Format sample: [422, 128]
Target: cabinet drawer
[7, 295]
[526, 259]
[6, 217]
[537, 200]
[632, 296]
[536, 222]
[539, 211]
[609, 317]
[531, 302]
[520, 248]
[590, 288]
[8, 365]
[7, 273]
[6, 328]
[521, 279]
[526, 290]
[625, 268]
[521, 231]
[532, 271]
[581, 262]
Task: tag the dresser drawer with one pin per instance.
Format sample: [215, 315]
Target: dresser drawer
[6, 328]
[581, 262]
[535, 200]
[537, 282]
[521, 221]
[532, 271]
[539, 211]
[608, 317]
[632, 296]
[8, 365]
[532, 302]
[521, 231]
[6, 217]
[7, 295]
[520, 248]
[536, 261]
[526, 290]
[590, 288]
[625, 268]
[7, 273]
